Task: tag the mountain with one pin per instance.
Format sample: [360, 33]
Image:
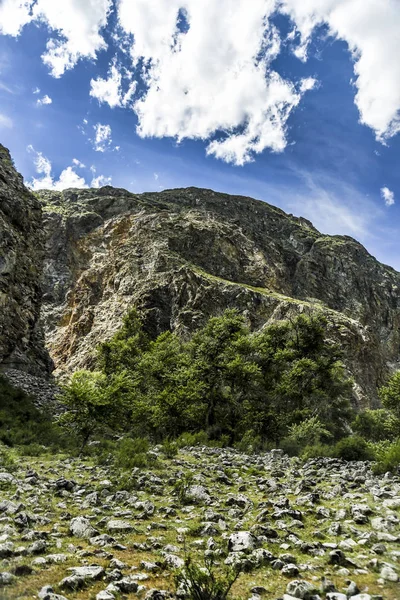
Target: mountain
[82, 258]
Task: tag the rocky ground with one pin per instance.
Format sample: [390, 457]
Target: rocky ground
[324, 529]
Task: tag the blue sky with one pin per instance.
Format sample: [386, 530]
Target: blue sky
[294, 105]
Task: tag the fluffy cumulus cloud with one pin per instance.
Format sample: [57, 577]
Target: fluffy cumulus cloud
[68, 178]
[208, 74]
[371, 30]
[205, 69]
[102, 137]
[99, 180]
[45, 100]
[14, 14]
[111, 90]
[75, 27]
[388, 196]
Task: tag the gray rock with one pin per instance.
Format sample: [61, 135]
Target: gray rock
[243, 541]
[116, 526]
[6, 578]
[92, 573]
[389, 574]
[199, 494]
[81, 527]
[301, 589]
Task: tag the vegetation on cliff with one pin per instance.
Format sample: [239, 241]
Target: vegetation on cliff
[224, 380]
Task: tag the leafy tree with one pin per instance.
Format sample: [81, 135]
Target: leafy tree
[390, 395]
[125, 347]
[376, 425]
[94, 404]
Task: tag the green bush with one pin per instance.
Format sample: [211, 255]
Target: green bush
[376, 425]
[353, 448]
[24, 425]
[251, 443]
[169, 448]
[205, 582]
[131, 453]
[7, 459]
[317, 451]
[192, 439]
[388, 459]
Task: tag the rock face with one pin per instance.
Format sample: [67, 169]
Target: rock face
[183, 255]
[179, 256]
[21, 265]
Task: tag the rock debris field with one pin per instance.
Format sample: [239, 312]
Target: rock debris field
[324, 529]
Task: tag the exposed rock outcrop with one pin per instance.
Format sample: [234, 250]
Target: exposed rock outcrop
[82, 258]
[183, 255]
[21, 265]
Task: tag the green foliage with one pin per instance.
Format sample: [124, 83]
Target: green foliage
[390, 395]
[309, 432]
[189, 439]
[23, 425]
[7, 459]
[353, 448]
[131, 453]
[125, 347]
[388, 458]
[169, 448]
[95, 403]
[317, 451]
[205, 582]
[181, 487]
[238, 387]
[250, 443]
[376, 425]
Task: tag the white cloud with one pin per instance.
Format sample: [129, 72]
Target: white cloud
[216, 78]
[68, 178]
[75, 25]
[78, 163]
[371, 30]
[45, 100]
[100, 181]
[36, 90]
[5, 122]
[102, 140]
[388, 196]
[14, 15]
[111, 90]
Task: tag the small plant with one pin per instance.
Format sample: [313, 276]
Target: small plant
[7, 459]
[169, 449]
[251, 443]
[205, 582]
[182, 487]
[131, 453]
[388, 459]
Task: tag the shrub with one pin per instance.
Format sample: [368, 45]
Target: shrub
[169, 448]
[205, 582]
[7, 459]
[192, 439]
[131, 453]
[353, 448]
[250, 443]
[22, 424]
[182, 485]
[317, 451]
[376, 425]
[389, 459]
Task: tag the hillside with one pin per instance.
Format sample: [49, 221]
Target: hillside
[180, 256]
